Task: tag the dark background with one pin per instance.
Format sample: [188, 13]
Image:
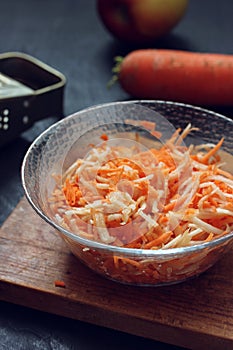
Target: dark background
[68, 35]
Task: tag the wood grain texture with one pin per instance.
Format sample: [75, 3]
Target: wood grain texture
[195, 314]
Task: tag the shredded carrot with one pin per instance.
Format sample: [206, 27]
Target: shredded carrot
[157, 241]
[104, 137]
[129, 261]
[129, 197]
[224, 173]
[170, 206]
[212, 151]
[156, 134]
[163, 198]
[59, 283]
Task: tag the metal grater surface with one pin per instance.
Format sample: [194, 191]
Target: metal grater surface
[12, 88]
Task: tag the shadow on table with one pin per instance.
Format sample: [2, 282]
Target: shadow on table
[11, 157]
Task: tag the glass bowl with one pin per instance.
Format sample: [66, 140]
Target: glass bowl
[122, 123]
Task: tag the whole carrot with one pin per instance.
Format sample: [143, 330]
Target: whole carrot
[190, 77]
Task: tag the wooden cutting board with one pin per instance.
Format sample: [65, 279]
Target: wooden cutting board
[197, 314]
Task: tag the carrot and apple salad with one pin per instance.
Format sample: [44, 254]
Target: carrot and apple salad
[159, 198]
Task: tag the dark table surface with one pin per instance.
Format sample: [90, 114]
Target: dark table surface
[68, 35]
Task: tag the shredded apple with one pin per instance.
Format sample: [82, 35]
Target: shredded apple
[173, 196]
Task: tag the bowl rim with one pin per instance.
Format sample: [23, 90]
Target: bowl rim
[123, 251]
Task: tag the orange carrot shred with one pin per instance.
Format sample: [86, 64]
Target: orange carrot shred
[159, 240]
[212, 151]
[59, 283]
[104, 137]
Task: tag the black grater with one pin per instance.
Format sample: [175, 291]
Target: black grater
[30, 90]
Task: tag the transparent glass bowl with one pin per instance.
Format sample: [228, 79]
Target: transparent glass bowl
[55, 150]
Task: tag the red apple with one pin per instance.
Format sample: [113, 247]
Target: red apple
[140, 21]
